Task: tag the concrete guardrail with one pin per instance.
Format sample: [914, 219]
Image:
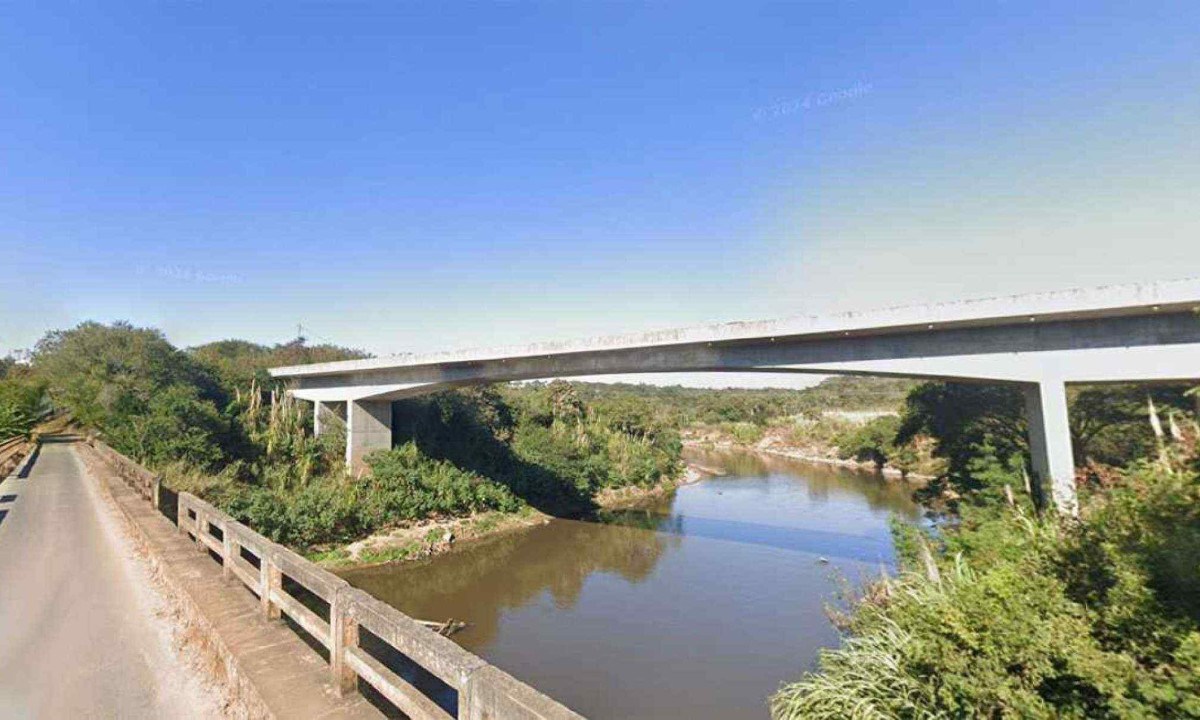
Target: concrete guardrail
[12, 452]
[484, 691]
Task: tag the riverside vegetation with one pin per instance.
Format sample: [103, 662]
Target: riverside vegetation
[1008, 611]
[205, 419]
[1003, 610]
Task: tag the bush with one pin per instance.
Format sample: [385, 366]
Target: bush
[22, 402]
[174, 425]
[404, 486]
[1030, 618]
[744, 433]
[1003, 642]
[874, 441]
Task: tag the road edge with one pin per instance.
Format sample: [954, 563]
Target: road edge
[193, 630]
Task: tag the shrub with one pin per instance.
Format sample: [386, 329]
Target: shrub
[22, 402]
[404, 486]
[1001, 642]
[874, 441]
[1030, 618]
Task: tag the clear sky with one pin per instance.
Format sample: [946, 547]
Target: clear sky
[409, 177]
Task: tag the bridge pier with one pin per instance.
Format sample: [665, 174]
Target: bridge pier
[318, 411]
[1050, 443]
[324, 412]
[368, 428]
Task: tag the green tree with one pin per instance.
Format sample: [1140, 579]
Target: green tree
[874, 441]
[152, 400]
[22, 399]
[962, 418]
[238, 363]
[1110, 424]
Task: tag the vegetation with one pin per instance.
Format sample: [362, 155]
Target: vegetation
[875, 441]
[682, 407]
[209, 420]
[1007, 613]
[544, 442]
[22, 400]
[237, 363]
[981, 423]
[404, 485]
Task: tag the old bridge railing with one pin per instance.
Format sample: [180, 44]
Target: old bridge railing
[336, 615]
[12, 452]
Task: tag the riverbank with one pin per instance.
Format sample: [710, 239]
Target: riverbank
[631, 497]
[426, 538]
[437, 536]
[775, 445]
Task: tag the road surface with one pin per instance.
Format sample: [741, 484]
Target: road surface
[82, 625]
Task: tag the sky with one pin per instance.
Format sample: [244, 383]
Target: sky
[427, 176]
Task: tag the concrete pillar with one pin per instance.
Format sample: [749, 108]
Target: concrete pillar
[327, 415]
[318, 410]
[1050, 443]
[368, 428]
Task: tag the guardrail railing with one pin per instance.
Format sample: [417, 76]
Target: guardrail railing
[12, 452]
[484, 692]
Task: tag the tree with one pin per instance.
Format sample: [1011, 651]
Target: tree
[874, 441]
[237, 363]
[1109, 424]
[964, 417]
[152, 400]
[22, 398]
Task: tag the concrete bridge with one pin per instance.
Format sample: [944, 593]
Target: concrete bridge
[1040, 342]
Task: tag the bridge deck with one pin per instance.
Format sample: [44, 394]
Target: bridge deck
[78, 637]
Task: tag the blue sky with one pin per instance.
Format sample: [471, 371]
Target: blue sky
[408, 177]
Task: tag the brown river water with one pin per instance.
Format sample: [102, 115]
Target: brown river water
[697, 607]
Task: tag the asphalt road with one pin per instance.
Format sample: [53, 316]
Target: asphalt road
[81, 626]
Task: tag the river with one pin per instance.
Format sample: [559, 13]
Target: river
[697, 607]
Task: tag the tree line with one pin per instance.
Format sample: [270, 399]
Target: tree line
[212, 421]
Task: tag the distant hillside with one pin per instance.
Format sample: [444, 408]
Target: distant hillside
[706, 405]
[859, 393]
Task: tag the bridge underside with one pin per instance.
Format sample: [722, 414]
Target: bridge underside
[1041, 356]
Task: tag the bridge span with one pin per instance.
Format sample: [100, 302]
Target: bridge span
[1039, 342]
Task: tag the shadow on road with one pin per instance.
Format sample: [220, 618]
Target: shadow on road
[30, 462]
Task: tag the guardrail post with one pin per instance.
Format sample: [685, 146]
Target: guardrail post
[156, 498]
[181, 517]
[227, 549]
[343, 627]
[270, 579]
[201, 528]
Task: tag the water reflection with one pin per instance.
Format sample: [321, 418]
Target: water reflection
[821, 482]
[514, 570]
[696, 606]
